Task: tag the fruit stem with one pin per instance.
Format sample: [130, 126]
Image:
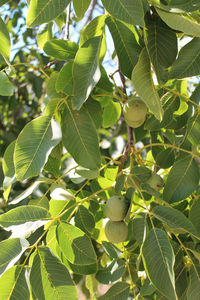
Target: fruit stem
[127, 149]
[130, 143]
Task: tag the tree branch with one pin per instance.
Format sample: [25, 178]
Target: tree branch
[130, 143]
[66, 36]
[51, 63]
[89, 18]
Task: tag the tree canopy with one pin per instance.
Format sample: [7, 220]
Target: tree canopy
[99, 149]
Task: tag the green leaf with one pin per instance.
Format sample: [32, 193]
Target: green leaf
[51, 241]
[75, 245]
[80, 137]
[86, 72]
[8, 166]
[126, 45]
[194, 215]
[141, 173]
[33, 146]
[83, 269]
[147, 189]
[5, 40]
[159, 259]
[51, 87]
[84, 220]
[179, 5]
[87, 173]
[188, 61]
[111, 114]
[50, 279]
[182, 180]
[196, 94]
[52, 106]
[138, 228]
[104, 83]
[13, 284]
[60, 49]
[53, 165]
[170, 104]
[24, 220]
[147, 289]
[42, 202]
[2, 2]
[27, 192]
[128, 11]
[165, 158]
[92, 285]
[111, 172]
[143, 83]
[56, 207]
[64, 81]
[118, 291]
[58, 192]
[43, 11]
[10, 252]
[105, 182]
[6, 87]
[111, 250]
[23, 214]
[61, 20]
[181, 276]
[193, 291]
[44, 34]
[80, 7]
[174, 219]
[94, 28]
[161, 44]
[193, 129]
[113, 271]
[119, 185]
[95, 110]
[180, 23]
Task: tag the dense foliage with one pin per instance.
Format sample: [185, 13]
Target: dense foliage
[74, 75]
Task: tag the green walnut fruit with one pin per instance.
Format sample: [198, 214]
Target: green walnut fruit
[135, 111]
[156, 182]
[116, 232]
[116, 208]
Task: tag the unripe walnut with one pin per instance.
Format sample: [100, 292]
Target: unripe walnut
[116, 232]
[135, 111]
[156, 182]
[116, 208]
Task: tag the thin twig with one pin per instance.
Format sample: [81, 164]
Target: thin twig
[7, 19]
[66, 37]
[123, 82]
[89, 18]
[51, 63]
[127, 149]
[130, 143]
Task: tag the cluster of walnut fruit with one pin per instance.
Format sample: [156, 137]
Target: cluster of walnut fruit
[116, 230]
